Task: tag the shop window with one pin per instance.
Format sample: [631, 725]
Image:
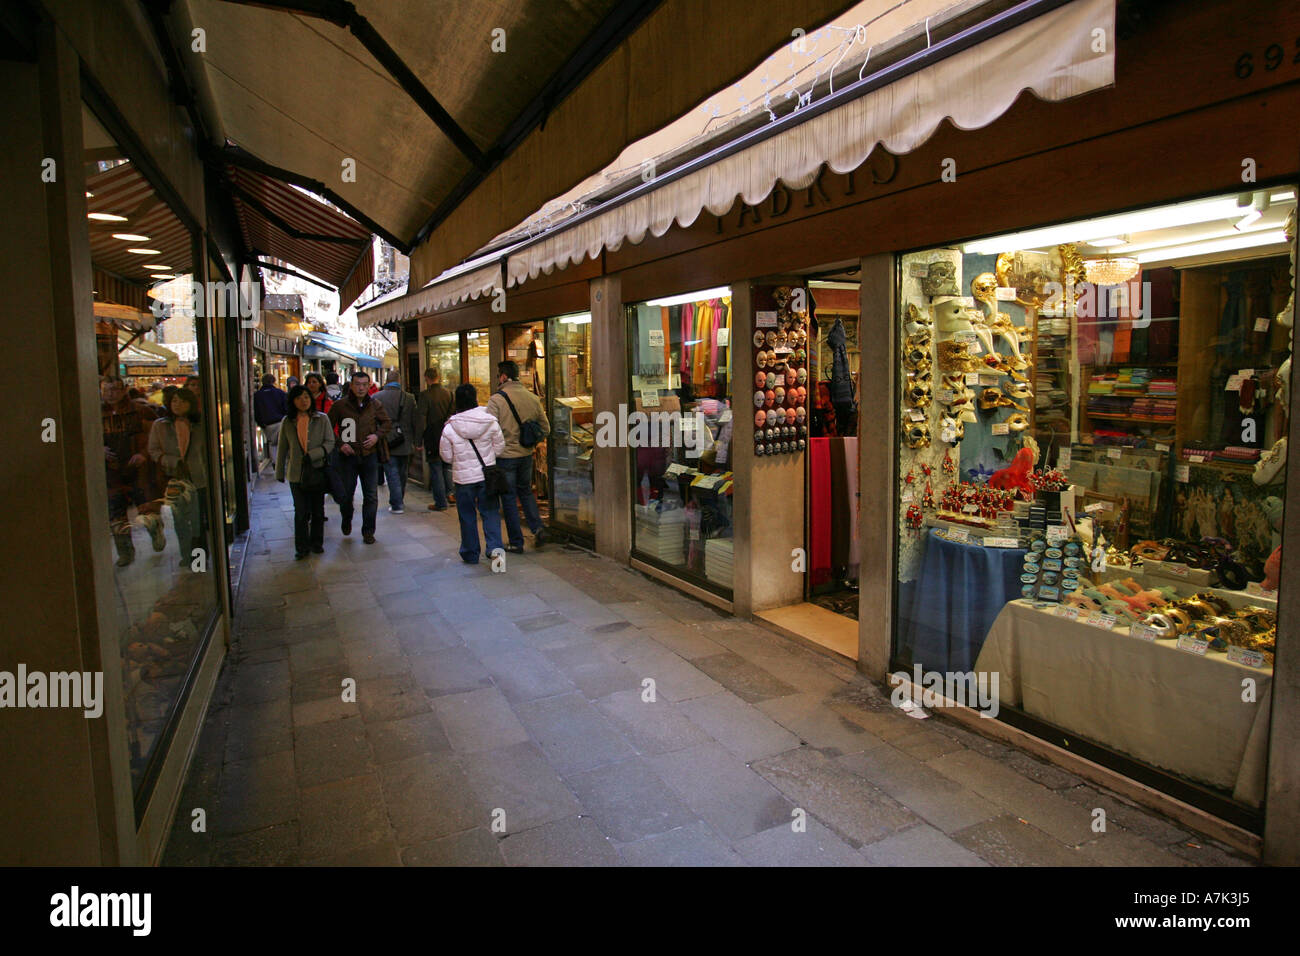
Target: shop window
[157, 475]
[525, 345]
[1091, 476]
[443, 353]
[568, 355]
[481, 369]
[678, 426]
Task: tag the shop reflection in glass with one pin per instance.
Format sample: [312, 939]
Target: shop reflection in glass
[572, 438]
[681, 365]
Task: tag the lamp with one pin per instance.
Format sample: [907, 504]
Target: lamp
[1111, 270]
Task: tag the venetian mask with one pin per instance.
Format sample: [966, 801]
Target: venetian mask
[950, 317]
[940, 279]
[984, 287]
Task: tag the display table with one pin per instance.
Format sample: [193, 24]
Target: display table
[1147, 699]
[955, 600]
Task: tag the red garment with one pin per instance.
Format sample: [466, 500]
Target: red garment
[322, 403]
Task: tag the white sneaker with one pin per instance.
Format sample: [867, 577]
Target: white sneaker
[397, 511]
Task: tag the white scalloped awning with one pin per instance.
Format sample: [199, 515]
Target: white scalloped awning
[467, 283]
[1054, 55]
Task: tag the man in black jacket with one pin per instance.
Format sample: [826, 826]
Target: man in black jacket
[270, 405]
[432, 410]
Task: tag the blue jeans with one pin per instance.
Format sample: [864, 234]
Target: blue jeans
[395, 475]
[519, 471]
[439, 478]
[468, 499]
[352, 467]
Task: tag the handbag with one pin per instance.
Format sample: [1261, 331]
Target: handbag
[313, 476]
[495, 481]
[530, 432]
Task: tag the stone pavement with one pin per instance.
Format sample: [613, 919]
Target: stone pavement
[518, 698]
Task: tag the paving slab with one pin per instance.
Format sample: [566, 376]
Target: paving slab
[573, 735]
[651, 728]
[628, 801]
[454, 670]
[476, 847]
[518, 782]
[731, 798]
[694, 845]
[810, 845]
[746, 680]
[479, 720]
[740, 727]
[921, 845]
[570, 842]
[1007, 841]
[428, 796]
[342, 815]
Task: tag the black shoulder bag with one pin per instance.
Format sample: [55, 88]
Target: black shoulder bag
[530, 432]
[495, 481]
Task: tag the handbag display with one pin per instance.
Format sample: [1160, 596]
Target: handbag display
[495, 481]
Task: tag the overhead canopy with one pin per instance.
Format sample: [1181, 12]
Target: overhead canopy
[324, 345]
[135, 350]
[282, 222]
[971, 78]
[122, 191]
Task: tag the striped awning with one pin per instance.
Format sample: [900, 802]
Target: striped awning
[122, 191]
[283, 222]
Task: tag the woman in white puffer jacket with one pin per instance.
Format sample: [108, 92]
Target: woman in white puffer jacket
[469, 428]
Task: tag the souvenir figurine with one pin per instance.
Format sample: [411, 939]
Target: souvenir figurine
[949, 466]
[914, 518]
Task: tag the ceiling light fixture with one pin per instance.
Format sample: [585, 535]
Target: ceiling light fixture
[154, 265]
[145, 252]
[701, 296]
[580, 318]
[1110, 270]
[105, 217]
[1249, 241]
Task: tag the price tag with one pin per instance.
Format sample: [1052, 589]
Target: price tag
[1193, 645]
[1069, 613]
[1143, 633]
[1001, 428]
[655, 338]
[960, 537]
[650, 398]
[1057, 532]
[945, 396]
[907, 496]
[1183, 473]
[1261, 324]
[1063, 459]
[972, 378]
[1255, 589]
[970, 509]
[1095, 619]
[918, 270]
[1234, 384]
[1114, 452]
[677, 468]
[915, 414]
[968, 301]
[694, 534]
[1001, 542]
[988, 380]
[1160, 447]
[1005, 294]
[1196, 459]
[765, 320]
[724, 337]
[1097, 506]
[1243, 655]
[1175, 570]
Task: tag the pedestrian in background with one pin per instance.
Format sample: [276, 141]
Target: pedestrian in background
[400, 406]
[306, 441]
[270, 405]
[332, 387]
[523, 422]
[472, 441]
[320, 399]
[360, 422]
[176, 443]
[432, 410]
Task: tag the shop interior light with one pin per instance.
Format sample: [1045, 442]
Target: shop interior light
[830, 284]
[1109, 241]
[105, 217]
[1246, 220]
[145, 252]
[131, 237]
[1110, 270]
[89, 194]
[1149, 220]
[701, 296]
[581, 318]
[155, 265]
[161, 275]
[1266, 237]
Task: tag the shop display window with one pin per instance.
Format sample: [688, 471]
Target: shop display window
[568, 356]
[681, 441]
[1091, 473]
[156, 475]
[443, 353]
[479, 365]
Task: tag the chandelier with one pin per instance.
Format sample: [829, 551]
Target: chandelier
[1111, 271]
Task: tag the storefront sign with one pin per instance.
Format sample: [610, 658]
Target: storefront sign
[1193, 645]
[1243, 655]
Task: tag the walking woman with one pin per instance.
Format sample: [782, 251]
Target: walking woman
[470, 442]
[315, 383]
[306, 440]
[176, 443]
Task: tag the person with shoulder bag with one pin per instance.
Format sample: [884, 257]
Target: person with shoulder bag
[306, 440]
[400, 406]
[471, 443]
[523, 423]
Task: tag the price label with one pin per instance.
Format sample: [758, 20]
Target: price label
[1243, 655]
[972, 378]
[694, 534]
[1057, 532]
[765, 320]
[959, 537]
[1183, 473]
[1175, 570]
[1106, 621]
[1097, 506]
[968, 301]
[1001, 542]
[1160, 447]
[988, 380]
[1143, 633]
[656, 338]
[970, 509]
[1234, 384]
[724, 337]
[918, 270]
[1114, 452]
[907, 496]
[1193, 644]
[945, 396]
[1001, 428]
[1255, 589]
[1069, 613]
[1261, 324]
[1196, 459]
[650, 398]
[1063, 459]
[1246, 373]
[915, 414]
[1005, 294]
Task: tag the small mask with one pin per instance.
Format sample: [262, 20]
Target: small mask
[940, 279]
[801, 375]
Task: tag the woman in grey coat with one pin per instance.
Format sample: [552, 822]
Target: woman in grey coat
[306, 435]
[176, 443]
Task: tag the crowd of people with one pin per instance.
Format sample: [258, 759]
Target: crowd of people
[323, 440]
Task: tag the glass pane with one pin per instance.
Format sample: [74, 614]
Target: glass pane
[482, 370]
[679, 429]
[157, 475]
[443, 353]
[572, 437]
[1090, 494]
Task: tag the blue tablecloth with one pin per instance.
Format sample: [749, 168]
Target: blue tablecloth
[946, 613]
